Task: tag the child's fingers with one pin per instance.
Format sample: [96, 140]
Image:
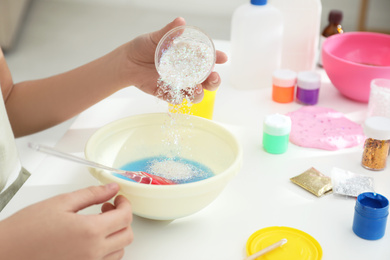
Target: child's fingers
[80, 199]
[107, 207]
[157, 35]
[221, 57]
[212, 82]
[115, 255]
[119, 217]
[119, 240]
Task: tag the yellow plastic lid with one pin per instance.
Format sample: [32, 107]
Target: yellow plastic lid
[300, 245]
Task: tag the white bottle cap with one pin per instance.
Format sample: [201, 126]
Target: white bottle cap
[309, 80]
[284, 78]
[377, 127]
[277, 124]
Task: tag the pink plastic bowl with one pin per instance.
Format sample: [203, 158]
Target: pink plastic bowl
[353, 59]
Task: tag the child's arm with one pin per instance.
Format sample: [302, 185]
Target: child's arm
[38, 104]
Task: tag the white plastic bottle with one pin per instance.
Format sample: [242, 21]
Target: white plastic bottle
[256, 45]
[302, 21]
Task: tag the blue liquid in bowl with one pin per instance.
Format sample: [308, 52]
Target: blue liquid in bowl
[193, 171]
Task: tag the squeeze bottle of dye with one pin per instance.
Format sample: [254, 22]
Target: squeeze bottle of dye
[334, 27]
[302, 22]
[276, 133]
[256, 44]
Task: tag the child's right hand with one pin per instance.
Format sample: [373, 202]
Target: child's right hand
[139, 69]
[52, 229]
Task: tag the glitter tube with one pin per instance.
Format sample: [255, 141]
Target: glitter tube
[276, 132]
[370, 218]
[283, 85]
[377, 144]
[308, 87]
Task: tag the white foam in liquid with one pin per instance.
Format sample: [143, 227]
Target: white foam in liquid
[171, 169]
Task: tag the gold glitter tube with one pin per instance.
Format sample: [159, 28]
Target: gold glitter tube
[375, 154]
[376, 146]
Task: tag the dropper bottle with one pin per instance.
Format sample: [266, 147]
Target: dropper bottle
[334, 26]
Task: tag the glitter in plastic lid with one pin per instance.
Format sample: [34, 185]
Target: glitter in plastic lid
[277, 124]
[284, 78]
[377, 127]
[308, 80]
[300, 245]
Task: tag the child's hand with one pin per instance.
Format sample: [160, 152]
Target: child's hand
[140, 70]
[52, 229]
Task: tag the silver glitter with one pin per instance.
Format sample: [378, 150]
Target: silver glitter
[183, 65]
[351, 184]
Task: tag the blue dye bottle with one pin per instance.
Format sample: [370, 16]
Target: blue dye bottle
[370, 216]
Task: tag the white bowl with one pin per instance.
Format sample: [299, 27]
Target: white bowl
[141, 136]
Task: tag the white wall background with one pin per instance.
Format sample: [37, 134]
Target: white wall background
[220, 11]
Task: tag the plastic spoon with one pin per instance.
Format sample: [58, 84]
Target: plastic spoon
[140, 177]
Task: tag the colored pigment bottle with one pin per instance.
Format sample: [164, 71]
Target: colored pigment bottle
[334, 27]
[370, 218]
[376, 146]
[256, 44]
[283, 85]
[276, 132]
[308, 87]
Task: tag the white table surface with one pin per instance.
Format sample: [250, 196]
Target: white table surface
[260, 196]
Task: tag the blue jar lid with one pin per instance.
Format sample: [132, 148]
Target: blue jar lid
[258, 2]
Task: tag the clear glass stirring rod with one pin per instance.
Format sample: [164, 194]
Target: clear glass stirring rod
[136, 176]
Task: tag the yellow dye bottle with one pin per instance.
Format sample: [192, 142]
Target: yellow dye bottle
[205, 108]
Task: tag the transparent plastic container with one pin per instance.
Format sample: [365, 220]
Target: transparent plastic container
[185, 57]
[177, 40]
[256, 45]
[301, 21]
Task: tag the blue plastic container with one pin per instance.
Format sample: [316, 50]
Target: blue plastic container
[371, 211]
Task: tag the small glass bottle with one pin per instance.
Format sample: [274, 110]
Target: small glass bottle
[377, 144]
[334, 27]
